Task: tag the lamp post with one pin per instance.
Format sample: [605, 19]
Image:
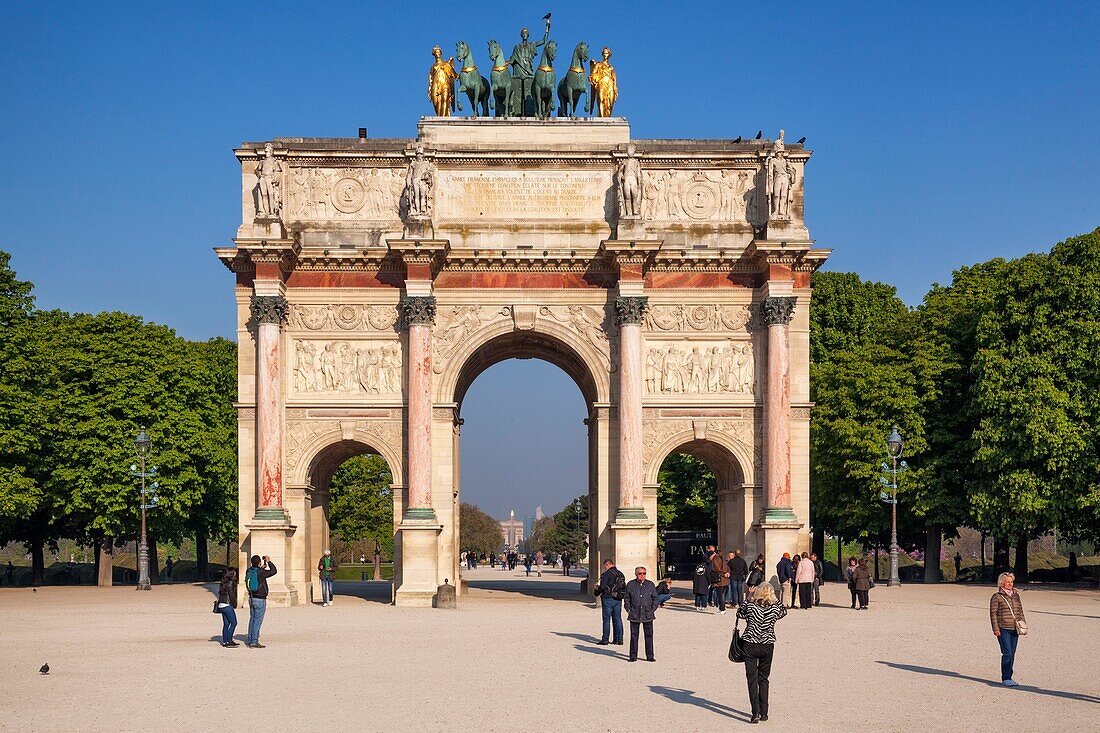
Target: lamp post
[894, 446]
[142, 443]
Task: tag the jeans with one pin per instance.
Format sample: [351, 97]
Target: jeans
[817, 591]
[861, 595]
[612, 618]
[229, 623]
[720, 597]
[736, 592]
[647, 627]
[257, 607]
[758, 665]
[1008, 640]
[700, 600]
[662, 597]
[326, 590]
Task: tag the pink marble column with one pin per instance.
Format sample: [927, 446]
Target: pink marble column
[419, 316]
[630, 312]
[269, 312]
[776, 313]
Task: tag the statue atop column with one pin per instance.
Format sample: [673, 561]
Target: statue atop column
[781, 177]
[269, 200]
[629, 179]
[605, 87]
[522, 60]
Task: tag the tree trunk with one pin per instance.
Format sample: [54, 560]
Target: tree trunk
[875, 576]
[840, 557]
[1020, 570]
[1000, 556]
[38, 562]
[932, 573]
[202, 557]
[105, 570]
[154, 561]
[818, 545]
[981, 577]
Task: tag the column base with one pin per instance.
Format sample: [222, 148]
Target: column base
[419, 561]
[633, 546]
[271, 514]
[420, 515]
[780, 515]
[632, 515]
[778, 537]
[273, 538]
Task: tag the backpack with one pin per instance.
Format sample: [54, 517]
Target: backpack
[618, 587]
[252, 579]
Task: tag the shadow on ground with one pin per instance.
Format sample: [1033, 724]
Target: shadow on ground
[375, 591]
[688, 697]
[561, 590]
[991, 683]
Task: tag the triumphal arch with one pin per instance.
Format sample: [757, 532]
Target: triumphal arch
[376, 278]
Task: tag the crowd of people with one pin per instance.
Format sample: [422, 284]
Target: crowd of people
[717, 582]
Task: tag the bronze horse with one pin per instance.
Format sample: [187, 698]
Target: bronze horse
[471, 82]
[504, 91]
[574, 83]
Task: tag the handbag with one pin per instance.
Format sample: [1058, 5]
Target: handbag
[1021, 626]
[737, 648]
[216, 609]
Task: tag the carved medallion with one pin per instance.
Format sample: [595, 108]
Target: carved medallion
[348, 195]
[700, 200]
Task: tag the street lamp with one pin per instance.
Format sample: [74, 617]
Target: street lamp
[142, 443]
[894, 446]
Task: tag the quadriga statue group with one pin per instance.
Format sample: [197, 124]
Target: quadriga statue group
[516, 87]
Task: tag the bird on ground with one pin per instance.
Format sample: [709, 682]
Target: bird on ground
[802, 140]
[44, 669]
[759, 134]
[34, 590]
[738, 139]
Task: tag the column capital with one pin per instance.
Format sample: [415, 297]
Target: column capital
[777, 310]
[418, 310]
[269, 309]
[631, 309]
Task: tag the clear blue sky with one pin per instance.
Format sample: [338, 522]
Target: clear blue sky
[943, 136]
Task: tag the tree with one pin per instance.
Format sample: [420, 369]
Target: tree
[361, 503]
[477, 531]
[1037, 391]
[540, 533]
[570, 530]
[24, 508]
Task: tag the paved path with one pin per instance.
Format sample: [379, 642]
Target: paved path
[923, 658]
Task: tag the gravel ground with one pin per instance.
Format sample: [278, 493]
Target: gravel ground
[519, 655]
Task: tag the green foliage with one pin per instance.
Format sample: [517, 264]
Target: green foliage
[847, 311]
[687, 494]
[20, 405]
[1037, 392]
[361, 504]
[570, 530]
[478, 531]
[540, 534]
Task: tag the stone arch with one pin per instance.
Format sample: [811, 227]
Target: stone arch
[548, 340]
[710, 446]
[332, 443]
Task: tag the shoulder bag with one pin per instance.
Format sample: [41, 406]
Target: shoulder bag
[1021, 626]
[737, 649]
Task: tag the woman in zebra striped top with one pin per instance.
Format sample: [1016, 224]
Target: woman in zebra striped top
[759, 642]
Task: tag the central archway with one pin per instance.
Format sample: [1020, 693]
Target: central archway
[489, 349]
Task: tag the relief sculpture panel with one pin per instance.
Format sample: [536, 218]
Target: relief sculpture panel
[700, 369]
[689, 318]
[348, 193]
[697, 196]
[455, 324]
[343, 317]
[347, 367]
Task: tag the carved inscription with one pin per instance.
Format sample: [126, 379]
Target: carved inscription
[700, 369]
[524, 195]
[347, 367]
